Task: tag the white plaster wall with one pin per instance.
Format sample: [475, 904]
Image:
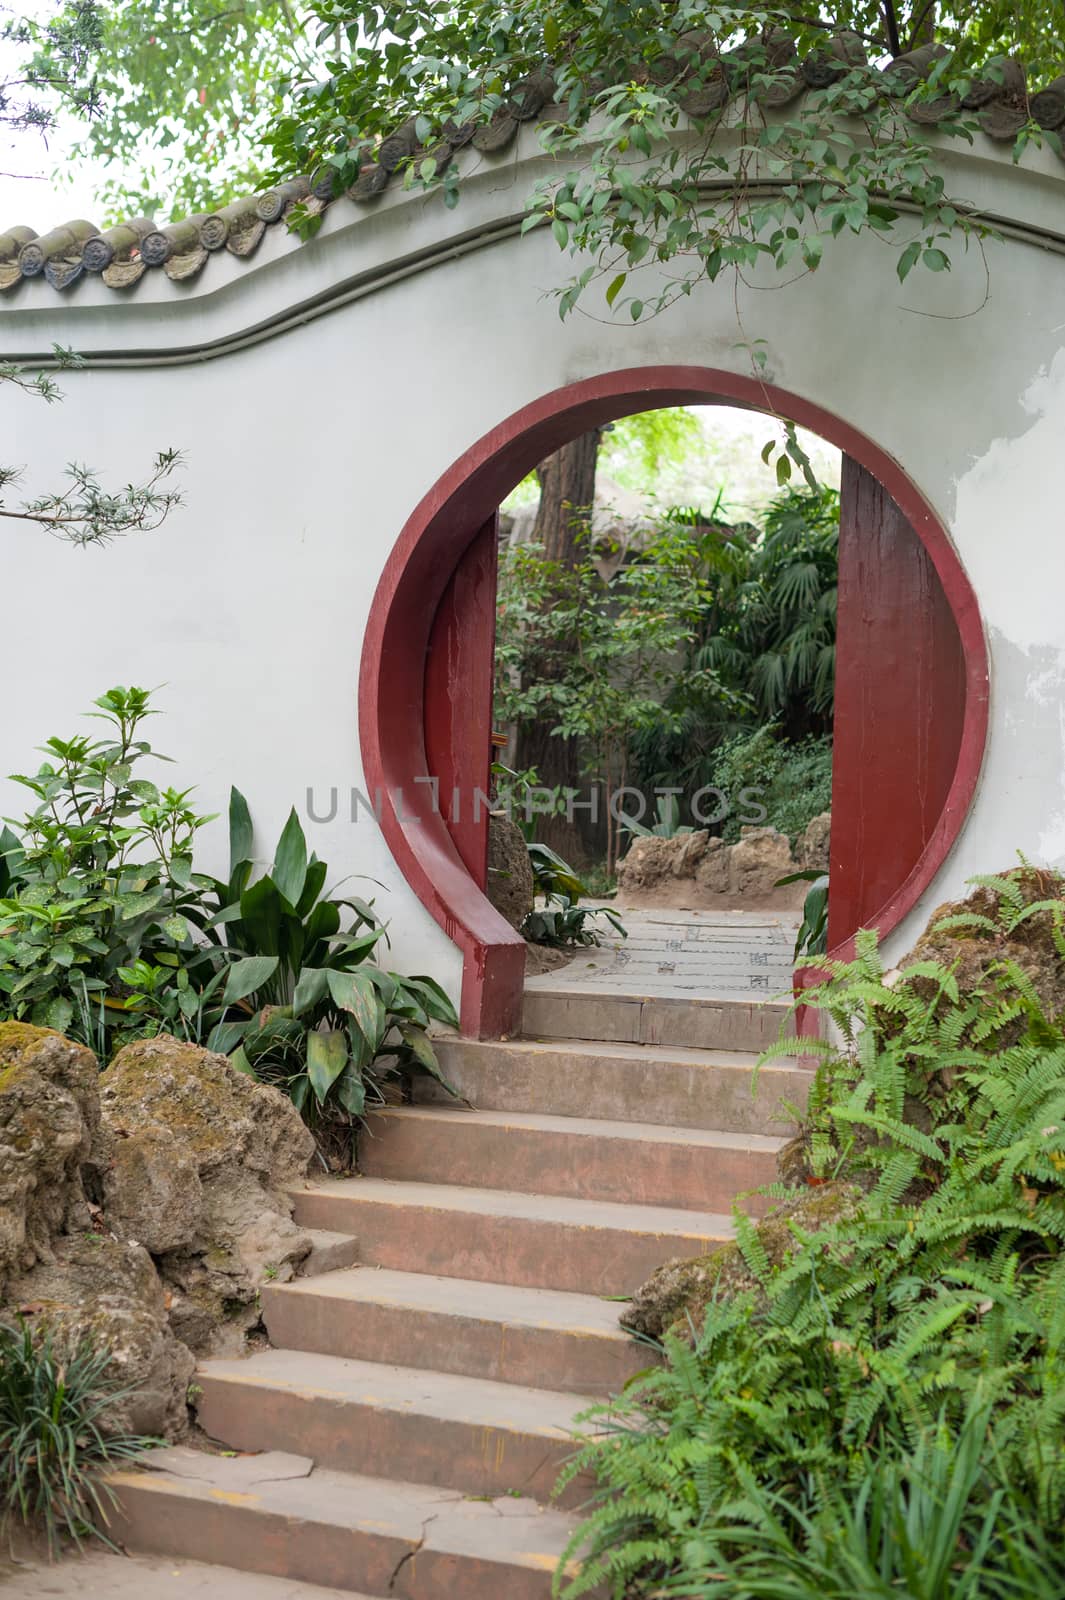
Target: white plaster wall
[308, 450]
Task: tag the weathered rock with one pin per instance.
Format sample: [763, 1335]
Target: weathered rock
[712, 871]
[812, 845]
[194, 1160]
[695, 871]
[675, 1297]
[651, 861]
[108, 1292]
[974, 950]
[49, 1112]
[151, 1189]
[510, 878]
[757, 861]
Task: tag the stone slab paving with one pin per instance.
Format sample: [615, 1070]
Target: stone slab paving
[99, 1575]
[714, 955]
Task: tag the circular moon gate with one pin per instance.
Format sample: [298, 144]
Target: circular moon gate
[911, 695]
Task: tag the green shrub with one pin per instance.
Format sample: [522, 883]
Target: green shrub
[108, 935]
[883, 1335]
[99, 878]
[793, 781]
[305, 1006]
[53, 1441]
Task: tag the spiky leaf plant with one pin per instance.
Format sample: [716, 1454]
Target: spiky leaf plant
[54, 1443]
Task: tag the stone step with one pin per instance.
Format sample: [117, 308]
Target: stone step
[621, 1082]
[497, 1236]
[451, 1325]
[559, 1011]
[285, 1517]
[100, 1574]
[480, 1436]
[576, 1157]
[329, 1251]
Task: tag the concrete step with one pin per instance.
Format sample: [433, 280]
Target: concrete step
[283, 1516]
[496, 1236]
[576, 1157]
[557, 1011]
[101, 1574]
[450, 1325]
[329, 1251]
[621, 1082]
[482, 1437]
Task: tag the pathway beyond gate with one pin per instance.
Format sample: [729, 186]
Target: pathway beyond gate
[403, 1435]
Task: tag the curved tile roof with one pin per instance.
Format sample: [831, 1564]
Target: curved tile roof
[123, 254]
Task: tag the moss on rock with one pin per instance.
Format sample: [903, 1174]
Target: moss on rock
[674, 1299]
[49, 1114]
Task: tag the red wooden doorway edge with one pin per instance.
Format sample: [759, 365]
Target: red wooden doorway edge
[422, 566]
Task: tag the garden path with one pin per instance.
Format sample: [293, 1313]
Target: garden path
[403, 1435]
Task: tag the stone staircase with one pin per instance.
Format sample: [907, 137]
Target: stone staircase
[403, 1435]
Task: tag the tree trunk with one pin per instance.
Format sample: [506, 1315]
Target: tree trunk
[567, 495]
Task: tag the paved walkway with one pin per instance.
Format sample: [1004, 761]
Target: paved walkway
[715, 955]
[99, 1575]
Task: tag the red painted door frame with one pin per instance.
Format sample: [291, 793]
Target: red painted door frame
[459, 676]
[422, 565]
[899, 709]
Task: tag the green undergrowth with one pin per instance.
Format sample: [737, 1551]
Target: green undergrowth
[883, 1413]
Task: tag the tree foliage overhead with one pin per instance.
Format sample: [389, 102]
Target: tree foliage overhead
[184, 94]
[666, 173]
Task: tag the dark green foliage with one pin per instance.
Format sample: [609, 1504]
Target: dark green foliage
[99, 880]
[305, 1005]
[793, 782]
[648, 204]
[890, 1350]
[706, 661]
[551, 875]
[54, 1442]
[107, 934]
[563, 922]
[812, 937]
[767, 631]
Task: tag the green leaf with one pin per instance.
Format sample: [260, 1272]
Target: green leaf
[351, 1091]
[176, 928]
[289, 872]
[561, 233]
[615, 287]
[437, 1001]
[327, 1056]
[260, 910]
[241, 833]
[244, 977]
[311, 989]
[239, 1060]
[226, 1036]
[59, 1014]
[908, 259]
[354, 992]
[552, 33]
[935, 260]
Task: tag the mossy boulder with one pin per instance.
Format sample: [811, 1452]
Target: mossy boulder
[675, 1297]
[49, 1114]
[974, 946]
[108, 1292]
[194, 1161]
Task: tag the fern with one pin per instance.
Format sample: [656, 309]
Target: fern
[933, 1318]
